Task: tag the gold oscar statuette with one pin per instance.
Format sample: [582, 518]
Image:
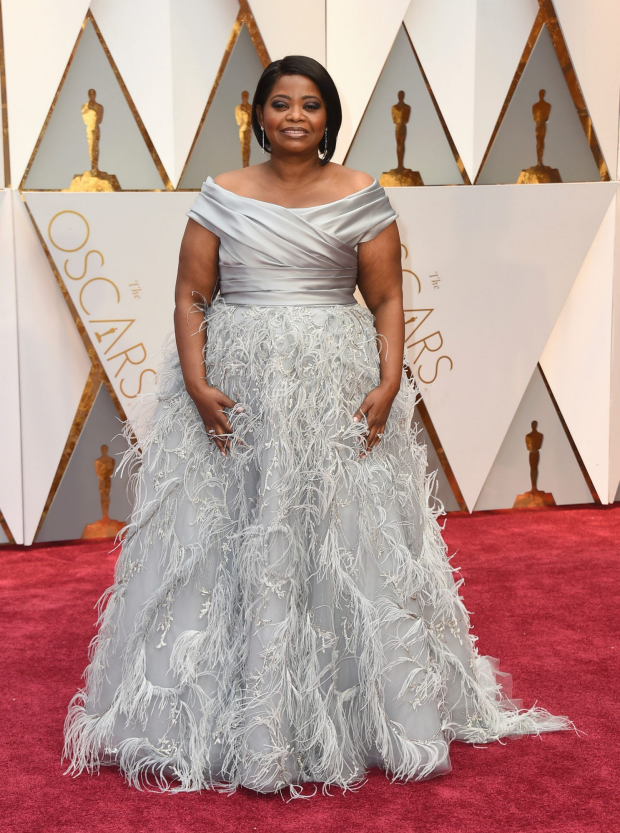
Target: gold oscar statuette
[106, 527]
[534, 498]
[243, 115]
[400, 176]
[540, 173]
[93, 180]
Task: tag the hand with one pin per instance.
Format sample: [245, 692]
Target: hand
[211, 403]
[376, 406]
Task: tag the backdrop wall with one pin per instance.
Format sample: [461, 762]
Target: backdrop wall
[512, 291]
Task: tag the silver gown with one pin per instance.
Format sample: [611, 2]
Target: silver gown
[287, 613]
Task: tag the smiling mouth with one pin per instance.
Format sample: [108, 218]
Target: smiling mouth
[292, 131]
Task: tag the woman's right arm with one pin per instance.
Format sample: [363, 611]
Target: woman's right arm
[197, 276]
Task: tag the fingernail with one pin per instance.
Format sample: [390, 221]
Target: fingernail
[356, 419]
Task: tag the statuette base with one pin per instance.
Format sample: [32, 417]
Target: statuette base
[89, 181]
[534, 499]
[538, 174]
[400, 178]
[103, 528]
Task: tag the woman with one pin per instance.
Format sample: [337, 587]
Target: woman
[283, 609]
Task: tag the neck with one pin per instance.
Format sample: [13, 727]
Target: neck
[294, 171]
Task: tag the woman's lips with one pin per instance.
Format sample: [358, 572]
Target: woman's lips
[293, 132]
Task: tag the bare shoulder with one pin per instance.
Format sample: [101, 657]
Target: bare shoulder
[241, 181]
[353, 180]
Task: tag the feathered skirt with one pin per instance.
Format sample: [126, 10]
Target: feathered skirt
[286, 613]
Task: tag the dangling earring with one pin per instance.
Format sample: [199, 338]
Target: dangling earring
[263, 129]
[324, 154]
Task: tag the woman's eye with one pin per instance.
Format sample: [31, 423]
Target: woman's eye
[307, 106]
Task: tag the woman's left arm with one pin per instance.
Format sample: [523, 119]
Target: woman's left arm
[380, 281]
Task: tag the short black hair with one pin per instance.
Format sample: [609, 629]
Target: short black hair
[301, 65]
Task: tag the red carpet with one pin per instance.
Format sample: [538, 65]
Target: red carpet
[542, 590]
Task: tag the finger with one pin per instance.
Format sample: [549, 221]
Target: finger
[370, 439]
[375, 437]
[235, 408]
[214, 432]
[361, 411]
[223, 420]
[225, 436]
[210, 431]
[227, 402]
[224, 423]
[226, 427]
[375, 443]
[220, 439]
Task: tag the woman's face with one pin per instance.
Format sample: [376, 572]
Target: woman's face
[294, 116]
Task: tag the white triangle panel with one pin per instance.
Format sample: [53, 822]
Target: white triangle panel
[577, 358]
[502, 31]
[443, 490]
[11, 499]
[566, 146]
[444, 36]
[360, 34]
[77, 501]
[54, 367]
[490, 270]
[427, 149]
[168, 55]
[470, 52]
[38, 40]
[126, 304]
[2, 178]
[279, 24]
[217, 147]
[591, 35]
[559, 472]
[63, 150]
[614, 441]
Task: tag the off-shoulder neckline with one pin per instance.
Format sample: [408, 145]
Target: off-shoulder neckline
[294, 208]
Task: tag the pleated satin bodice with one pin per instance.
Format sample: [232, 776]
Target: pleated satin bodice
[273, 255]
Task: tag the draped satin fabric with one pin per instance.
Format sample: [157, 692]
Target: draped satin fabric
[272, 255]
